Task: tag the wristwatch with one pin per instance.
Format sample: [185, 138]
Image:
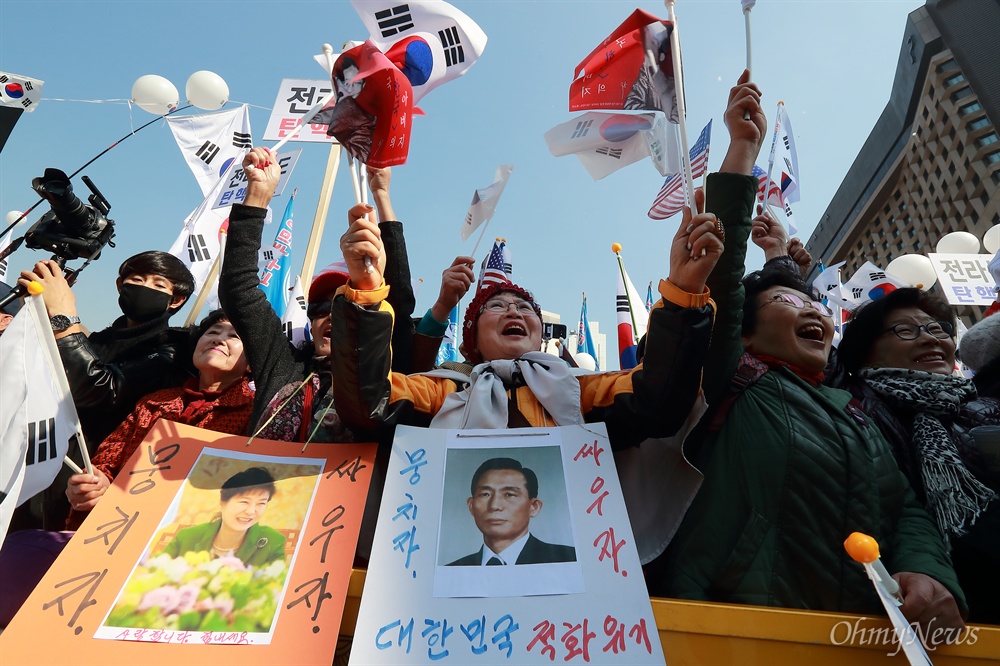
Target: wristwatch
[61, 322]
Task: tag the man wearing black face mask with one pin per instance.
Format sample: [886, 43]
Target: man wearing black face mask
[110, 370]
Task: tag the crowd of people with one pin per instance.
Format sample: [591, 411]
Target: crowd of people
[800, 446]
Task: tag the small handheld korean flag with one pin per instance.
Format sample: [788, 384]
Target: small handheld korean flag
[484, 201]
[295, 322]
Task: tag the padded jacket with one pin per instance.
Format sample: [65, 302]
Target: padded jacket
[110, 371]
[790, 472]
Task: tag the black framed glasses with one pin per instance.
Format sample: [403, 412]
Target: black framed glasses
[941, 330]
[797, 302]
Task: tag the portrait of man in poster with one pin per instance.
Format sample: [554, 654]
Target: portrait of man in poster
[503, 500]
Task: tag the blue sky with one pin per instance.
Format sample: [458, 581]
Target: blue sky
[831, 62]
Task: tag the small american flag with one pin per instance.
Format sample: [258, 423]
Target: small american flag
[493, 271]
[671, 198]
[773, 192]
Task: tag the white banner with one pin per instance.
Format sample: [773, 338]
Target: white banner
[965, 278]
[575, 588]
[211, 142]
[295, 98]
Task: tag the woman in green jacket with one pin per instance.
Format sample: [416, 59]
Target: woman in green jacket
[237, 531]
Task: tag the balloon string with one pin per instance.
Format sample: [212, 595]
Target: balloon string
[94, 159]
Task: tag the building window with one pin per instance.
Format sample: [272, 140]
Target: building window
[900, 246]
[985, 197]
[952, 80]
[917, 245]
[975, 179]
[996, 179]
[961, 93]
[984, 141]
[970, 108]
[895, 232]
[911, 232]
[947, 65]
[979, 123]
[992, 158]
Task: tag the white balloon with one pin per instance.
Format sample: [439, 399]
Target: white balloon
[915, 270]
[206, 90]
[991, 239]
[13, 215]
[958, 242]
[155, 94]
[585, 361]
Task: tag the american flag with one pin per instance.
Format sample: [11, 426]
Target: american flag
[494, 270]
[671, 198]
[773, 192]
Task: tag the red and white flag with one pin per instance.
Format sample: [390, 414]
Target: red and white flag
[631, 69]
[372, 109]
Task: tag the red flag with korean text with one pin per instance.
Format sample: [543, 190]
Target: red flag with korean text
[631, 69]
[374, 106]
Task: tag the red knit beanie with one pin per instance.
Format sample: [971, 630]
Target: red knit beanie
[470, 325]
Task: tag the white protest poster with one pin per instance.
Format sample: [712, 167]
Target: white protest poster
[235, 189]
[965, 278]
[563, 584]
[295, 98]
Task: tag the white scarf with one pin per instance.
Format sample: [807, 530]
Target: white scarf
[483, 404]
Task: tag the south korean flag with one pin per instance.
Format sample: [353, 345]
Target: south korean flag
[212, 142]
[430, 41]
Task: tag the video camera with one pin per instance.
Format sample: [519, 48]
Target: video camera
[70, 230]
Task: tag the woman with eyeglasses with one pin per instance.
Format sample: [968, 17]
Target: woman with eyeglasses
[899, 355]
[791, 466]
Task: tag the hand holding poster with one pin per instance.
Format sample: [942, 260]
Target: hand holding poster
[202, 544]
[500, 546]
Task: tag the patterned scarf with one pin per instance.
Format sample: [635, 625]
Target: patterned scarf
[954, 496]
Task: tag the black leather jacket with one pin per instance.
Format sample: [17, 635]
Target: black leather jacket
[111, 371]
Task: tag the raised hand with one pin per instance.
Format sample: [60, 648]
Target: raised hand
[363, 239]
[263, 173]
[696, 247]
[455, 283]
[747, 125]
[769, 235]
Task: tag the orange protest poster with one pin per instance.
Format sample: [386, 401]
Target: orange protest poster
[205, 550]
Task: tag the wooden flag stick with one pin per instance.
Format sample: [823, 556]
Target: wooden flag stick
[213, 274]
[319, 220]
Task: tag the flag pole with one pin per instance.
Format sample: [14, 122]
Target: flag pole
[617, 249]
[91, 161]
[481, 234]
[213, 274]
[319, 219]
[747, 6]
[323, 205]
[770, 160]
[675, 55]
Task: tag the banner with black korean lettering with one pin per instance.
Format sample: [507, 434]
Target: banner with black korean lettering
[504, 547]
[965, 278]
[206, 549]
[295, 98]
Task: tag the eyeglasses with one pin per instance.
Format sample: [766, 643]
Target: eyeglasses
[318, 310]
[796, 302]
[941, 330]
[499, 307]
